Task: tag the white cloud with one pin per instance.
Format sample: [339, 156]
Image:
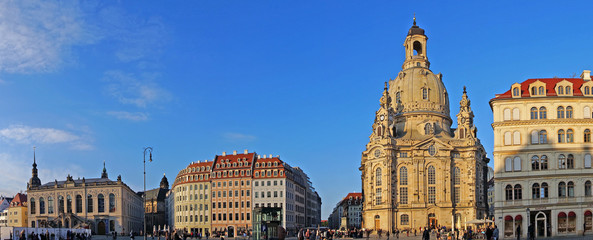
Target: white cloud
[132, 116]
[29, 135]
[16, 172]
[35, 35]
[239, 137]
[129, 89]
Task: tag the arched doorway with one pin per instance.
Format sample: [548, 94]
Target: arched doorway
[377, 222]
[231, 231]
[541, 224]
[101, 228]
[67, 223]
[432, 220]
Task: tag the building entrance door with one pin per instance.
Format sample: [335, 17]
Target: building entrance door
[541, 225]
[432, 220]
[101, 228]
[377, 222]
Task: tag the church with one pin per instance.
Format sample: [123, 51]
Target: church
[417, 171]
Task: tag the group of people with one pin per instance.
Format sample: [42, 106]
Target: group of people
[50, 236]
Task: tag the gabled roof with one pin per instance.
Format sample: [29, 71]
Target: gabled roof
[354, 195]
[20, 199]
[550, 87]
[234, 158]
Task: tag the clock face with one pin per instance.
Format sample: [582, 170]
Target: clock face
[382, 117]
[377, 153]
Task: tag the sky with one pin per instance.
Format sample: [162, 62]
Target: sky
[93, 81]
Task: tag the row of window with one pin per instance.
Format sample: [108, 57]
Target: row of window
[269, 173]
[224, 205]
[565, 189]
[202, 219]
[269, 194]
[192, 207]
[542, 113]
[541, 137]
[256, 183]
[540, 162]
[224, 193]
[269, 164]
[227, 163]
[223, 217]
[231, 173]
[66, 204]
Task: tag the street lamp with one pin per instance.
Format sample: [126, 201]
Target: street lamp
[149, 149]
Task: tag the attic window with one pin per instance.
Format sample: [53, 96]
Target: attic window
[516, 92]
[541, 91]
[432, 150]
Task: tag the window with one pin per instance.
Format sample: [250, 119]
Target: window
[516, 138]
[587, 112]
[517, 164]
[50, 205]
[570, 161]
[403, 176]
[544, 191]
[534, 162]
[587, 92]
[561, 136]
[424, 93]
[60, 204]
[534, 137]
[32, 205]
[560, 112]
[41, 206]
[457, 194]
[101, 203]
[587, 135]
[397, 97]
[507, 114]
[378, 176]
[516, 91]
[508, 164]
[570, 189]
[587, 160]
[516, 114]
[508, 192]
[112, 202]
[560, 90]
[405, 219]
[569, 112]
[518, 191]
[78, 204]
[431, 194]
[535, 191]
[541, 91]
[533, 91]
[543, 162]
[561, 189]
[403, 195]
[543, 137]
[543, 113]
[568, 90]
[561, 161]
[456, 176]
[431, 175]
[588, 188]
[68, 204]
[378, 196]
[432, 150]
[508, 138]
[427, 129]
[533, 113]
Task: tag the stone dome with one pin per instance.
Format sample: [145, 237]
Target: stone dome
[418, 89]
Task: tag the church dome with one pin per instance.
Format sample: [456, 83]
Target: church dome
[418, 89]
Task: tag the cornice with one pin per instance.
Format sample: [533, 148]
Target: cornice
[539, 122]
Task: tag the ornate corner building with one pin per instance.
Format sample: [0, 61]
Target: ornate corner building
[417, 171]
[542, 157]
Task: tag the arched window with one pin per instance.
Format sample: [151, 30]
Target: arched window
[587, 92]
[533, 113]
[535, 191]
[378, 177]
[516, 114]
[508, 138]
[570, 188]
[509, 192]
[424, 93]
[588, 188]
[587, 160]
[507, 114]
[68, 204]
[112, 203]
[379, 130]
[516, 92]
[560, 90]
[561, 189]
[518, 191]
[101, 203]
[544, 190]
[569, 136]
[534, 162]
[508, 164]
[516, 138]
[403, 176]
[78, 204]
[570, 161]
[60, 204]
[456, 176]
[431, 175]
[427, 129]
[562, 161]
[89, 203]
[568, 90]
[543, 137]
[541, 91]
[397, 97]
[50, 205]
[543, 162]
[560, 112]
[533, 91]
[32, 205]
[543, 114]
[587, 135]
[41, 206]
[517, 164]
[569, 112]
[561, 136]
[534, 137]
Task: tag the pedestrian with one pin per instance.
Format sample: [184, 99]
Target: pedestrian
[426, 234]
[495, 233]
[488, 233]
[518, 232]
[387, 234]
[131, 234]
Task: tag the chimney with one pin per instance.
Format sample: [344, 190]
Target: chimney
[235, 152]
[270, 156]
[246, 151]
[223, 153]
[258, 156]
[586, 75]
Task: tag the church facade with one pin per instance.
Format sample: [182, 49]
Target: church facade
[417, 171]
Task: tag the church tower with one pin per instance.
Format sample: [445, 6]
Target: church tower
[164, 182]
[34, 181]
[415, 163]
[104, 173]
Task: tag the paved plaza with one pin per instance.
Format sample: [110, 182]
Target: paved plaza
[432, 237]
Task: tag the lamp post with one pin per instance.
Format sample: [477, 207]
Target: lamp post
[149, 149]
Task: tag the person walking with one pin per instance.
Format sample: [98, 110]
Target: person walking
[495, 233]
[426, 234]
[518, 232]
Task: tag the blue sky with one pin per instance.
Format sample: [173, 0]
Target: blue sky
[87, 82]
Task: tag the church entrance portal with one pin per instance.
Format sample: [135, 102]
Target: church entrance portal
[377, 222]
[101, 228]
[432, 220]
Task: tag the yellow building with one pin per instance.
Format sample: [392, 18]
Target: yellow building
[416, 170]
[542, 157]
[192, 198]
[17, 212]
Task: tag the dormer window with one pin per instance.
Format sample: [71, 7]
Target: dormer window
[516, 92]
[541, 91]
[560, 91]
[587, 91]
[537, 89]
[568, 90]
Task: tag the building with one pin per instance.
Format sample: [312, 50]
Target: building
[347, 214]
[417, 171]
[17, 211]
[155, 206]
[4, 204]
[191, 191]
[231, 193]
[490, 187]
[542, 157]
[101, 204]
[170, 209]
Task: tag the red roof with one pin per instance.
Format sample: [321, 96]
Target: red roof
[19, 200]
[262, 164]
[354, 195]
[550, 87]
